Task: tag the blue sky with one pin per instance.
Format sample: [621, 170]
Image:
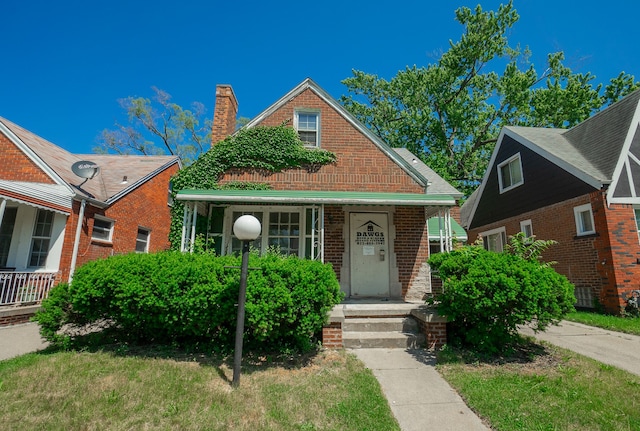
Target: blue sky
[66, 63]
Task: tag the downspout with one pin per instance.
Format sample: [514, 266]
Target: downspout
[185, 219]
[76, 244]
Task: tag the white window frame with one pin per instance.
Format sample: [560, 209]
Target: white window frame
[523, 226]
[303, 236]
[101, 229]
[299, 128]
[146, 240]
[582, 230]
[502, 234]
[44, 237]
[511, 160]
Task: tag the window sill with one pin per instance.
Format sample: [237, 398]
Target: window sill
[101, 242]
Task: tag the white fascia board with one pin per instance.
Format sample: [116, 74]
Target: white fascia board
[626, 148]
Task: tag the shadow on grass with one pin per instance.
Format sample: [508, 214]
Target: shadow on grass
[526, 350]
[205, 353]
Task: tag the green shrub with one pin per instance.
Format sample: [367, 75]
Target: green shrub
[184, 298]
[486, 295]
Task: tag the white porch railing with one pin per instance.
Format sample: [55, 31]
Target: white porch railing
[18, 288]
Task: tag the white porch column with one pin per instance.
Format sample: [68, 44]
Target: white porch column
[193, 226]
[3, 205]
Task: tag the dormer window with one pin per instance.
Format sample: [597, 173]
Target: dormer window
[510, 173]
[307, 123]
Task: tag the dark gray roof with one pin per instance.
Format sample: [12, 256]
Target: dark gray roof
[438, 185]
[593, 146]
[108, 184]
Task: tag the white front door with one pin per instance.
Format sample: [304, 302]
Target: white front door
[369, 252]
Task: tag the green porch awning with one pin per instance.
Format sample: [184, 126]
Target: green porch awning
[310, 197]
[457, 231]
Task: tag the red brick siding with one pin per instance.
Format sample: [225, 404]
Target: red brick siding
[334, 219]
[411, 243]
[16, 166]
[332, 335]
[360, 166]
[605, 262]
[435, 332]
[146, 206]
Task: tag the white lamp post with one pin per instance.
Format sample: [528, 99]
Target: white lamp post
[247, 228]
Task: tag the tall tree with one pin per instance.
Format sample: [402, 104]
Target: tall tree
[159, 126]
[450, 113]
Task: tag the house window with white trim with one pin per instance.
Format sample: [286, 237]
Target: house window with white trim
[584, 220]
[526, 228]
[142, 240]
[494, 240]
[284, 232]
[290, 230]
[40, 239]
[102, 229]
[510, 173]
[307, 123]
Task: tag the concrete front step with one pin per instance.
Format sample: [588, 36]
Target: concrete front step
[380, 324]
[382, 340]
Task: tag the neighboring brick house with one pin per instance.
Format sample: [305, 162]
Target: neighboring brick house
[366, 214]
[52, 220]
[579, 187]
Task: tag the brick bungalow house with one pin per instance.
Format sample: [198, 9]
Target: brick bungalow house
[579, 187]
[366, 214]
[52, 220]
[372, 191]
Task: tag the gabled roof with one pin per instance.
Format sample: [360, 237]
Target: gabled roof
[309, 84]
[437, 184]
[118, 174]
[595, 151]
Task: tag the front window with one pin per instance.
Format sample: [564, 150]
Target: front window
[41, 238]
[287, 230]
[142, 240]
[102, 229]
[494, 240]
[510, 173]
[308, 126]
[584, 220]
[526, 228]
[284, 232]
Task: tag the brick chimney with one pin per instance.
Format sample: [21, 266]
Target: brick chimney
[225, 113]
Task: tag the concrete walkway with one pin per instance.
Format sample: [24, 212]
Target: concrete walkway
[419, 397]
[17, 340]
[613, 348]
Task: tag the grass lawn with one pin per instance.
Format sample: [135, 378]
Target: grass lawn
[628, 325]
[546, 389]
[127, 390]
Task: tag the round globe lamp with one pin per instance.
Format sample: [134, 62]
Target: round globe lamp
[246, 228]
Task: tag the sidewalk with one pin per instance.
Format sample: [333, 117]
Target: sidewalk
[613, 348]
[419, 397]
[17, 340]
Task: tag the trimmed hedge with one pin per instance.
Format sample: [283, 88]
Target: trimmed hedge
[486, 295]
[184, 298]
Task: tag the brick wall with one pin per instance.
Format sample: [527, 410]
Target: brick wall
[605, 262]
[146, 206]
[411, 244]
[16, 166]
[361, 165]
